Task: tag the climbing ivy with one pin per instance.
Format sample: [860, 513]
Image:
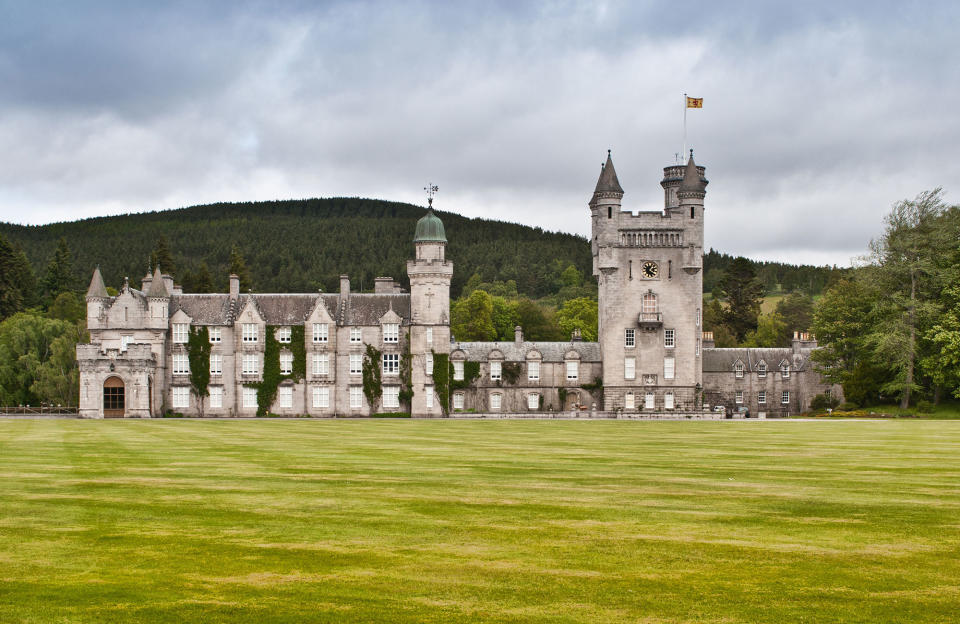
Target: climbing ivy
[510, 372]
[406, 375]
[267, 388]
[198, 352]
[441, 379]
[471, 370]
[372, 385]
[562, 395]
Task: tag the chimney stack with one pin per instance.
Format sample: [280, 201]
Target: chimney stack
[518, 334]
[344, 286]
[234, 285]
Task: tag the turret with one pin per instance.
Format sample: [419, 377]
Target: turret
[96, 296]
[605, 210]
[690, 194]
[158, 298]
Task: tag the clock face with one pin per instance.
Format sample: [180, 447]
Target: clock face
[650, 269]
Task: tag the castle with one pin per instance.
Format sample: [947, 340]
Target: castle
[355, 354]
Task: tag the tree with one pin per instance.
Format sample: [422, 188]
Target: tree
[943, 362]
[37, 361]
[504, 317]
[60, 277]
[714, 320]
[769, 332]
[744, 295]
[11, 297]
[161, 257]
[199, 281]
[238, 267]
[471, 317]
[535, 324]
[580, 313]
[796, 312]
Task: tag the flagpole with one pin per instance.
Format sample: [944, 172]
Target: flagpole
[684, 150]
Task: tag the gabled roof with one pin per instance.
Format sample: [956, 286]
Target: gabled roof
[723, 360]
[608, 182]
[97, 287]
[513, 352]
[368, 308]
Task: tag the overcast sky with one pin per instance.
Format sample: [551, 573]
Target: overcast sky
[816, 118]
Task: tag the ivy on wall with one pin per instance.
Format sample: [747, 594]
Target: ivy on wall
[441, 379]
[471, 370]
[406, 375]
[510, 372]
[198, 352]
[372, 384]
[267, 387]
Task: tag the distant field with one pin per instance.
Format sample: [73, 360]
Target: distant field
[479, 521]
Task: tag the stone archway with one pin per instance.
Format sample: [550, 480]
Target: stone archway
[114, 398]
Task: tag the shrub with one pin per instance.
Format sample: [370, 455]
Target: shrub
[822, 402]
[391, 415]
[924, 406]
[848, 406]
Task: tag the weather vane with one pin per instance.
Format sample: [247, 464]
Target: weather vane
[431, 190]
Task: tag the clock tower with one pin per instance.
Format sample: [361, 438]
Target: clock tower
[648, 266]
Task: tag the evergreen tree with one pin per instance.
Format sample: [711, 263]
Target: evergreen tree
[238, 267]
[60, 277]
[744, 294]
[161, 256]
[796, 312]
[11, 297]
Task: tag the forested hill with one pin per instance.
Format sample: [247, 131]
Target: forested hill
[305, 245]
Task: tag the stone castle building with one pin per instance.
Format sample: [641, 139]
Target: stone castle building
[326, 354]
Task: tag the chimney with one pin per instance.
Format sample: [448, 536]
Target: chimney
[168, 282]
[803, 340]
[234, 285]
[575, 335]
[147, 280]
[344, 286]
[383, 285]
[518, 334]
[708, 342]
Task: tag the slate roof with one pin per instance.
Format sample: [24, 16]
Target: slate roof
[513, 352]
[608, 182]
[692, 180]
[157, 287]
[97, 287]
[722, 360]
[291, 309]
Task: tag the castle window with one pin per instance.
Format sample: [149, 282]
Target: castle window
[355, 336]
[391, 363]
[573, 371]
[649, 303]
[533, 401]
[668, 401]
[181, 364]
[496, 372]
[251, 364]
[125, 341]
[785, 370]
[320, 333]
[250, 332]
[216, 364]
[762, 369]
[629, 338]
[698, 317]
[286, 396]
[181, 333]
[249, 397]
[429, 335]
[669, 338]
[428, 364]
[356, 397]
[458, 371]
[356, 363]
[495, 401]
[629, 368]
[286, 363]
[785, 397]
[283, 335]
[762, 397]
[216, 397]
[692, 214]
[738, 370]
[629, 401]
[458, 401]
[321, 364]
[181, 396]
[215, 333]
[428, 391]
[321, 396]
[391, 332]
[533, 371]
[609, 212]
[669, 367]
[698, 347]
[649, 402]
[391, 396]
[738, 398]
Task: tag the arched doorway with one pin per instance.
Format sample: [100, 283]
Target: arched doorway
[113, 398]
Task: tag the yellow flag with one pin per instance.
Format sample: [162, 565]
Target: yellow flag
[694, 102]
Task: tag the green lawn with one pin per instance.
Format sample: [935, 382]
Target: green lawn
[485, 521]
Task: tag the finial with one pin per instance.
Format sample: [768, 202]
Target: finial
[691, 152]
[608, 152]
[431, 190]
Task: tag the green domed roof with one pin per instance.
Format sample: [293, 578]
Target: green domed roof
[430, 229]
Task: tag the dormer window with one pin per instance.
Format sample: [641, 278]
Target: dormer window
[785, 370]
[181, 333]
[391, 332]
[738, 370]
[496, 371]
[762, 369]
[320, 333]
[250, 332]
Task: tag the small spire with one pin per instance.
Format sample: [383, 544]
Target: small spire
[97, 287]
[692, 181]
[157, 287]
[608, 182]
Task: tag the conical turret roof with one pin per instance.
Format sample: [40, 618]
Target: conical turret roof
[608, 182]
[692, 181]
[97, 287]
[157, 287]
